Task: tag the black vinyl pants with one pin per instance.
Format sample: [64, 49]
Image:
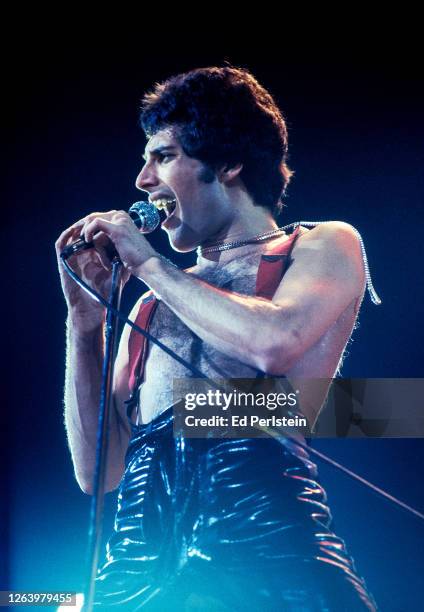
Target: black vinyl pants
[223, 525]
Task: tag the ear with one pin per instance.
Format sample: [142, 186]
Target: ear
[229, 172]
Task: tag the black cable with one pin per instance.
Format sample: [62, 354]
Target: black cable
[362, 480]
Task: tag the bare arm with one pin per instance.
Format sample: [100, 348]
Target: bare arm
[82, 396]
[325, 277]
[84, 372]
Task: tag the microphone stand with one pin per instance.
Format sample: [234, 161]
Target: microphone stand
[97, 501]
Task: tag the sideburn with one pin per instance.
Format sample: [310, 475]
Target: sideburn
[206, 174]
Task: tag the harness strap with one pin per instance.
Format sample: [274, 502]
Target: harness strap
[273, 266]
[137, 344]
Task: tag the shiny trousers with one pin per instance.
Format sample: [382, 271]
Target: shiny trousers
[223, 525]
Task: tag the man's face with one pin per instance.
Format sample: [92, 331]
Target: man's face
[196, 210]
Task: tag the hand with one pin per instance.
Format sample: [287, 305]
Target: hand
[116, 228]
[93, 266]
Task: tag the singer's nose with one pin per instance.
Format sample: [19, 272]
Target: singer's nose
[146, 179]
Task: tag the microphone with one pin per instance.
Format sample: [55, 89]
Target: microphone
[144, 215]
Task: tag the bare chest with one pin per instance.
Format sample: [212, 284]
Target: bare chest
[156, 393]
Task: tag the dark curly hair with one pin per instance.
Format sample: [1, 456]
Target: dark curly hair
[224, 116]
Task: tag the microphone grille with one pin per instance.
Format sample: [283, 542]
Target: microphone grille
[145, 216]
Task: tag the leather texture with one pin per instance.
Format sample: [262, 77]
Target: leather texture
[224, 524]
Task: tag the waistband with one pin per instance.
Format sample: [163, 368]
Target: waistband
[162, 427]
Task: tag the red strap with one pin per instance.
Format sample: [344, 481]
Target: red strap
[137, 344]
[273, 265]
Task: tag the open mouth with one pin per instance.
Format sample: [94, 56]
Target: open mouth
[166, 204]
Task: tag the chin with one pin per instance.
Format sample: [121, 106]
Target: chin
[182, 247]
[183, 240]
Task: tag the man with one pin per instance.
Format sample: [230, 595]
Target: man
[214, 524]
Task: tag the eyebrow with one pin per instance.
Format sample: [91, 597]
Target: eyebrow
[158, 151]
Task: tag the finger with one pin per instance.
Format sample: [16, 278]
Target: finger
[97, 215]
[104, 258]
[92, 270]
[126, 275]
[116, 217]
[101, 240]
[73, 232]
[64, 238]
[100, 225]
[77, 230]
[120, 216]
[105, 247]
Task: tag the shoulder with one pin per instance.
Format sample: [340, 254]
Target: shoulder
[337, 245]
[335, 237]
[331, 233]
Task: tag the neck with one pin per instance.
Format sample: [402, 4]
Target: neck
[244, 226]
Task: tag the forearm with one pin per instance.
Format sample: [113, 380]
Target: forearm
[240, 326]
[82, 396]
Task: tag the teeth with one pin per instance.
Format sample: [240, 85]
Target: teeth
[162, 203]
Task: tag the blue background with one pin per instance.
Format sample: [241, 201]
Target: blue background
[356, 138]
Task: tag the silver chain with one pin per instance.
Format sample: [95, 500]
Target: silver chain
[226, 246]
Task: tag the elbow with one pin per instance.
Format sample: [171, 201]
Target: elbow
[85, 472]
[87, 484]
[279, 354]
[86, 487]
